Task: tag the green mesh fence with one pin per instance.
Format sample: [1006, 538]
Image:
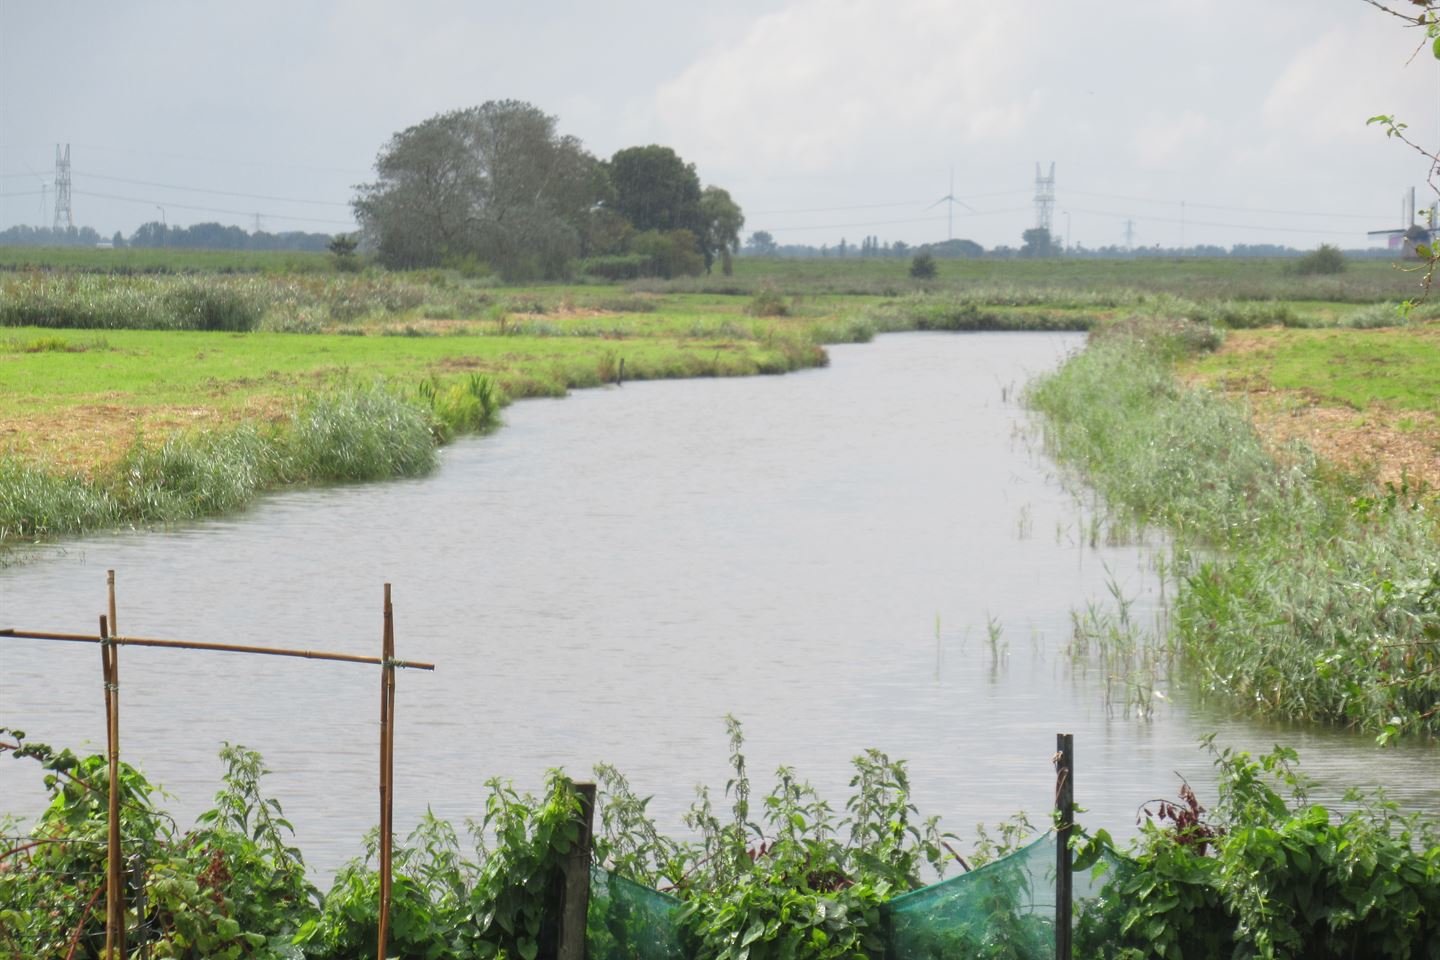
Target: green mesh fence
[627, 921]
[1004, 910]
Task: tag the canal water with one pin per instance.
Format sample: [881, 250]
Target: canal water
[874, 554]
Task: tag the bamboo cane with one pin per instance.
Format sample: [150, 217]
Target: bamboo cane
[19, 634]
[115, 892]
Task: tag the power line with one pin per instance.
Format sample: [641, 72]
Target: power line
[1207, 223]
[224, 193]
[874, 206]
[1232, 209]
[185, 206]
[886, 223]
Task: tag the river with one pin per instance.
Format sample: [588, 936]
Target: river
[824, 555]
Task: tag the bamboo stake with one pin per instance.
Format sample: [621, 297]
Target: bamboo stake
[18, 634]
[115, 892]
[117, 859]
[107, 684]
[387, 747]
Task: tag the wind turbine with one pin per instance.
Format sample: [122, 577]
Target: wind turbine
[951, 199]
[44, 191]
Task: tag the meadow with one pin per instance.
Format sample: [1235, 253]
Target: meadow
[106, 355]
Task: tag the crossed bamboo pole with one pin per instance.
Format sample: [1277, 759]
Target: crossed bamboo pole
[110, 642]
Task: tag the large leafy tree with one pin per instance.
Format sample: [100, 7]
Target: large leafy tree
[655, 189]
[495, 183]
[720, 223]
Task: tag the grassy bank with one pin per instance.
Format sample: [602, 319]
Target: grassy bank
[1303, 592]
[98, 370]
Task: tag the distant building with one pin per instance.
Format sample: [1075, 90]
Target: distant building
[1411, 234]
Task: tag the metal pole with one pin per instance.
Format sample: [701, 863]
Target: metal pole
[1064, 824]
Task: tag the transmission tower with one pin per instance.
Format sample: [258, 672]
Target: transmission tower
[1044, 197]
[1129, 234]
[64, 217]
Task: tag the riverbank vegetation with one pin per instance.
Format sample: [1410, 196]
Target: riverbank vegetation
[1266, 873]
[1302, 591]
[128, 400]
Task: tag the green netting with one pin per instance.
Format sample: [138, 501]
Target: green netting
[1004, 910]
[628, 921]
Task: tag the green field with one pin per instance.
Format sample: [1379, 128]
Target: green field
[177, 347]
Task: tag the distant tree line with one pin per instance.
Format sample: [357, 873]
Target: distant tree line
[200, 236]
[1036, 242]
[497, 187]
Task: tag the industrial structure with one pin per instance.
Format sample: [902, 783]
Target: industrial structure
[1044, 198]
[64, 216]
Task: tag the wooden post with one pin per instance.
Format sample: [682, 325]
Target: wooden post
[1064, 827]
[575, 871]
[387, 767]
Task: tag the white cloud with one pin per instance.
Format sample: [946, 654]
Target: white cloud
[1333, 83]
[1164, 141]
[820, 81]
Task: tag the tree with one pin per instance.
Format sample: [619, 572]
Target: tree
[922, 267]
[655, 189]
[1038, 243]
[762, 244]
[495, 183]
[673, 253]
[720, 220]
[342, 248]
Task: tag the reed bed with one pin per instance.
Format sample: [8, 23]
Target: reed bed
[347, 435]
[1301, 592]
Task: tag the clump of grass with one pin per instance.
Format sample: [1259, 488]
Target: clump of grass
[50, 345]
[630, 304]
[768, 302]
[471, 406]
[355, 434]
[1375, 315]
[1295, 596]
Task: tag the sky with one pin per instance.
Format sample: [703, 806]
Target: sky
[1194, 121]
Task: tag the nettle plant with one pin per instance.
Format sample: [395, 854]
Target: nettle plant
[1269, 873]
[788, 876]
[232, 887]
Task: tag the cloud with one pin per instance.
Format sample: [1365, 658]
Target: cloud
[1166, 140]
[821, 81]
[1321, 97]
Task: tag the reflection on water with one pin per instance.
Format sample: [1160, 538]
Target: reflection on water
[824, 554]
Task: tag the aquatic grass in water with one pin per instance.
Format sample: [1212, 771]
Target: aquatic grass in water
[1294, 595]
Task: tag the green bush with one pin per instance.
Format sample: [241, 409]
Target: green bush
[1323, 260]
[769, 302]
[922, 266]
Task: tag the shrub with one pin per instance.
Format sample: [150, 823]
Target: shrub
[922, 267]
[768, 303]
[1323, 260]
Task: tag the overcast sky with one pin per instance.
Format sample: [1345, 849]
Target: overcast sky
[1203, 121]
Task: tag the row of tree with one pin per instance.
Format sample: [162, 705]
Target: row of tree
[199, 236]
[499, 185]
[1035, 243]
